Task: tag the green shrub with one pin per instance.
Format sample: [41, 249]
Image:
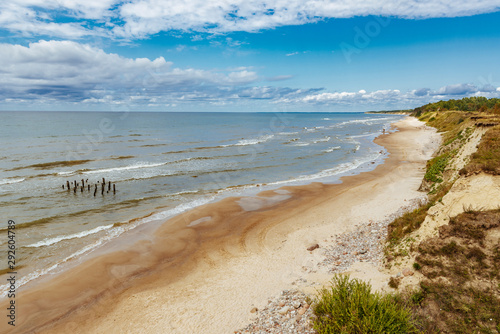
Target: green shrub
[417, 297]
[435, 168]
[471, 104]
[349, 306]
[394, 282]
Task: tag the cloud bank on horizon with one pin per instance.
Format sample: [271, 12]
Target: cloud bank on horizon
[48, 57]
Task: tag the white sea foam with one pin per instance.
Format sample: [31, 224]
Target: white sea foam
[287, 133]
[365, 135]
[245, 142]
[11, 181]
[331, 149]
[302, 143]
[367, 121]
[135, 166]
[51, 241]
[321, 140]
[340, 169]
[144, 175]
[179, 209]
[138, 165]
[184, 192]
[27, 278]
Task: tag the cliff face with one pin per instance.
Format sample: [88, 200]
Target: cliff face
[474, 193]
[451, 245]
[480, 192]
[463, 175]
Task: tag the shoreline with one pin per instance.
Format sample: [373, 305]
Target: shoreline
[213, 264]
[82, 224]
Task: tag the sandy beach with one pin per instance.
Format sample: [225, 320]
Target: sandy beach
[203, 271]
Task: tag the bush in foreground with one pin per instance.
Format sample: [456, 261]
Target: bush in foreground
[350, 307]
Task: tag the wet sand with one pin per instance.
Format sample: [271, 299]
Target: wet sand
[202, 271]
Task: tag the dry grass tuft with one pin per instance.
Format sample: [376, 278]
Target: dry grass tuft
[487, 157]
[462, 281]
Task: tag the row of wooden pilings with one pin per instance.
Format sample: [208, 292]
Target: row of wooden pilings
[85, 185]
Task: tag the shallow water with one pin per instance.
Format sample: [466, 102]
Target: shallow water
[161, 164]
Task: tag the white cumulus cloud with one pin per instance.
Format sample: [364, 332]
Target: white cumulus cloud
[458, 89]
[70, 71]
[141, 18]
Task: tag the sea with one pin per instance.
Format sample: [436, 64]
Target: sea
[155, 165]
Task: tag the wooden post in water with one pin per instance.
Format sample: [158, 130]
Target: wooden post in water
[63, 186]
[95, 190]
[103, 181]
[88, 187]
[74, 190]
[109, 186]
[83, 182]
[102, 189]
[67, 185]
[82, 189]
[114, 189]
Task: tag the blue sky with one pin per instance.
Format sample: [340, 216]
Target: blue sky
[308, 55]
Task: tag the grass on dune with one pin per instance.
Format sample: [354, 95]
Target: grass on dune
[460, 292]
[350, 306]
[487, 156]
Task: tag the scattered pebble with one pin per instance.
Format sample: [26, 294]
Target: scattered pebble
[290, 312]
[407, 272]
[364, 244]
[313, 247]
[283, 310]
[282, 315]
